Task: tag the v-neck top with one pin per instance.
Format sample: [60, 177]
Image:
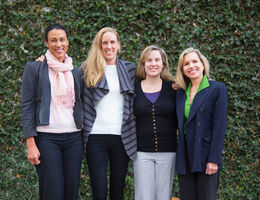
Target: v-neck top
[152, 96]
[156, 123]
[203, 84]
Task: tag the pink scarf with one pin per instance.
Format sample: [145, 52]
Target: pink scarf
[63, 80]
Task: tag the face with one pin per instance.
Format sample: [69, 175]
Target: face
[110, 46]
[58, 43]
[153, 64]
[192, 66]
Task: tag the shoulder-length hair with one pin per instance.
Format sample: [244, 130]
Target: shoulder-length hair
[182, 80]
[94, 66]
[165, 74]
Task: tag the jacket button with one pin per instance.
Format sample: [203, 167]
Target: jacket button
[198, 124]
[201, 109]
[198, 139]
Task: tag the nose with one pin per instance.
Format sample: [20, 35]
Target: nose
[58, 43]
[153, 62]
[109, 45]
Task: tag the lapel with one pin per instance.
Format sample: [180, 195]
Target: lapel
[45, 86]
[198, 100]
[44, 93]
[126, 85]
[180, 106]
[126, 88]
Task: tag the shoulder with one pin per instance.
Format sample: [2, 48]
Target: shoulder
[32, 64]
[168, 86]
[32, 67]
[129, 65]
[216, 85]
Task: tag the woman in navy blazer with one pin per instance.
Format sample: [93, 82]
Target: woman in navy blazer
[202, 118]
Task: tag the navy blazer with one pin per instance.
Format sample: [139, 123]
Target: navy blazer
[36, 97]
[205, 128]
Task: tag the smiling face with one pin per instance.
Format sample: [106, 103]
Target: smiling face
[57, 43]
[153, 64]
[192, 66]
[110, 47]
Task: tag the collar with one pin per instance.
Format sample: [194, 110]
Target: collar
[203, 84]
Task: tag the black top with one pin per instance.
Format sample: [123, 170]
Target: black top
[156, 123]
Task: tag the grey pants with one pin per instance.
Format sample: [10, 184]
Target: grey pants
[154, 174]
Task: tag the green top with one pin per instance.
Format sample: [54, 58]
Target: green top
[203, 84]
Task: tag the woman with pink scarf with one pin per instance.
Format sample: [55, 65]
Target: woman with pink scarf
[52, 118]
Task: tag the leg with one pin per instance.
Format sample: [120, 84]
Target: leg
[72, 156]
[118, 167]
[207, 186]
[97, 158]
[188, 186]
[50, 170]
[144, 176]
[164, 174]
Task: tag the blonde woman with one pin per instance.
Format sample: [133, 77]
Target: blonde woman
[109, 126]
[156, 125]
[202, 119]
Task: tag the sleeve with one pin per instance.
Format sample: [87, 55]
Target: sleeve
[219, 125]
[28, 100]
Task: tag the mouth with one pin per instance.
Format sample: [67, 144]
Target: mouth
[59, 50]
[109, 52]
[192, 71]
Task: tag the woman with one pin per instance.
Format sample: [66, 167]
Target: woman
[109, 126]
[202, 118]
[52, 118]
[156, 124]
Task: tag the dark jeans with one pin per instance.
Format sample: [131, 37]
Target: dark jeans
[59, 170]
[100, 150]
[198, 186]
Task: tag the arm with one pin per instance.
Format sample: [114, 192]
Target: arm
[28, 101]
[218, 129]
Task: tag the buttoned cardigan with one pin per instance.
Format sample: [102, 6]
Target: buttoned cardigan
[156, 123]
[126, 75]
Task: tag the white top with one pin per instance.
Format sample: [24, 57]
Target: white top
[61, 118]
[110, 108]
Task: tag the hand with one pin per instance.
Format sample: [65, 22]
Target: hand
[41, 58]
[175, 86]
[211, 168]
[33, 153]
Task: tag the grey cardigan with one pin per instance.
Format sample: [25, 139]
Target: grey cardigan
[126, 74]
[36, 97]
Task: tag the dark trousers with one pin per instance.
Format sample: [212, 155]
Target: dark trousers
[59, 170]
[198, 186]
[100, 150]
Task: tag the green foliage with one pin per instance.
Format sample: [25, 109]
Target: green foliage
[227, 34]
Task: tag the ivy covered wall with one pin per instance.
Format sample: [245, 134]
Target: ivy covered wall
[226, 32]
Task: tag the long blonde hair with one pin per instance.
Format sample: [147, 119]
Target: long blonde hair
[94, 66]
[165, 74]
[182, 80]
